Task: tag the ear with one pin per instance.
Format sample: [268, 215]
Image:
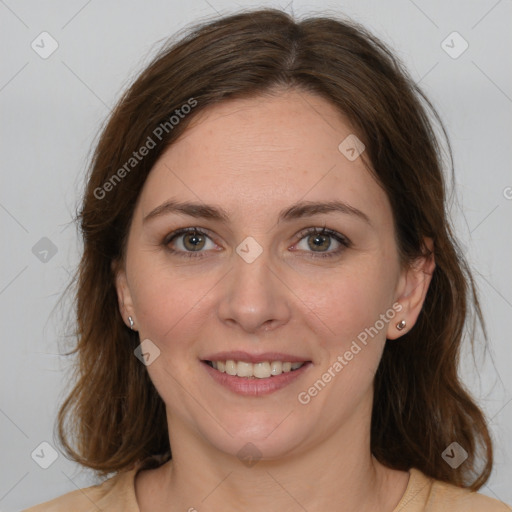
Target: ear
[412, 290]
[123, 293]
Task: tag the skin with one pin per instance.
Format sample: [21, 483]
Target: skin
[254, 157]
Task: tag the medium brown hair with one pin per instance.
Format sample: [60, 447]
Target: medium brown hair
[114, 417]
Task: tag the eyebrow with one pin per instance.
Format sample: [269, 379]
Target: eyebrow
[296, 211]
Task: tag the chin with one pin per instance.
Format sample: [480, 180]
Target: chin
[253, 436]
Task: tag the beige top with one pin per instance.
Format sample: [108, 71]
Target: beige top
[423, 494]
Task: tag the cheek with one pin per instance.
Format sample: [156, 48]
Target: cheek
[171, 313]
[352, 301]
[351, 345]
[169, 304]
[355, 309]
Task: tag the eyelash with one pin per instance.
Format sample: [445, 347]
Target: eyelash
[345, 242]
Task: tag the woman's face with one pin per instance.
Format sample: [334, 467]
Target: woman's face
[260, 282]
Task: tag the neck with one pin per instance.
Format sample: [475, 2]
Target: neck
[339, 475]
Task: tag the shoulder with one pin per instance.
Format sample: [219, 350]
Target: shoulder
[114, 494]
[455, 499]
[424, 493]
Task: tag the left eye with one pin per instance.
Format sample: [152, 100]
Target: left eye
[315, 238]
[193, 240]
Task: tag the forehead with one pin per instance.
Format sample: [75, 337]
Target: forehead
[267, 151]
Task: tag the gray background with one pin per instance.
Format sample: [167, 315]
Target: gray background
[51, 113]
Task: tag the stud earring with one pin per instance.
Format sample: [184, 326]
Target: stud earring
[130, 319]
[401, 325]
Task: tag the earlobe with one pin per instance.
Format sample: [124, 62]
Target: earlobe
[123, 295]
[414, 283]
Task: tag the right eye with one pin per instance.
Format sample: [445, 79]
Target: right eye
[191, 240]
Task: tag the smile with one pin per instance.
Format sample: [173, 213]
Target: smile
[255, 379]
[261, 370]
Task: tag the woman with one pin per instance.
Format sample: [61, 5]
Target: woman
[271, 300]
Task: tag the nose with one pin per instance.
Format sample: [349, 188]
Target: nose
[254, 298]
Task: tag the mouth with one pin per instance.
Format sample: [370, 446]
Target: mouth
[260, 370]
[254, 378]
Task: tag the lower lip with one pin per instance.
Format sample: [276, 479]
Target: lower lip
[254, 386]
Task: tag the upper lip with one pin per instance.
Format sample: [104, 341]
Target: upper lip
[240, 355]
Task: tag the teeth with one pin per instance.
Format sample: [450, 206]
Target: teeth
[231, 367]
[244, 369]
[276, 368]
[262, 370]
